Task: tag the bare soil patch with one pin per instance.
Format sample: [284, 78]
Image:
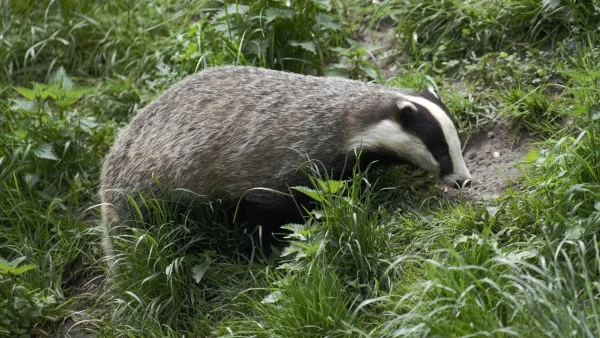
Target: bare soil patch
[492, 156]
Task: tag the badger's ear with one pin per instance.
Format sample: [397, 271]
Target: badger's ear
[433, 92]
[430, 93]
[405, 111]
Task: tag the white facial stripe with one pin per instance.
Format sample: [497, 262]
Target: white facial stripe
[387, 134]
[432, 91]
[404, 104]
[460, 171]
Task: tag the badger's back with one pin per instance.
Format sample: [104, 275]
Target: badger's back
[226, 130]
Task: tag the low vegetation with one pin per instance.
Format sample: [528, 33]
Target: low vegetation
[384, 254]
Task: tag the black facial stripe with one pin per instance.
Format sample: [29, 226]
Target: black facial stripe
[429, 96]
[427, 128]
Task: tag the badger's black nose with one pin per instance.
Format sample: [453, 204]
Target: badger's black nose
[463, 183]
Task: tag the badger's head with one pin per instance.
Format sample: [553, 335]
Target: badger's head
[418, 128]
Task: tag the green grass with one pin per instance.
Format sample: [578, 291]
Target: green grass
[386, 254]
[443, 30]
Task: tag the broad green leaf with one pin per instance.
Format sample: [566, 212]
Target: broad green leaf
[306, 45]
[331, 186]
[16, 261]
[88, 124]
[325, 4]
[595, 110]
[464, 238]
[272, 297]
[325, 21]
[371, 72]
[26, 105]
[290, 249]
[27, 93]
[273, 14]
[80, 91]
[337, 72]
[292, 266]
[521, 255]
[298, 228]
[31, 179]
[231, 10]
[318, 213]
[42, 91]
[574, 232]
[7, 267]
[315, 195]
[312, 248]
[531, 156]
[61, 76]
[64, 103]
[198, 271]
[22, 269]
[492, 210]
[45, 150]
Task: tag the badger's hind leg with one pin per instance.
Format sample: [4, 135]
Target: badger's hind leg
[110, 220]
[115, 213]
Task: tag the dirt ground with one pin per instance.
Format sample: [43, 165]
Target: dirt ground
[492, 158]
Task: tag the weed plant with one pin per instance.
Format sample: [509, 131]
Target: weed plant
[442, 30]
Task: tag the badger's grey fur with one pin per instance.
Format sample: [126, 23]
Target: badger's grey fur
[226, 130]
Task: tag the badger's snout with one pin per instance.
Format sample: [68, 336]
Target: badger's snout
[458, 182]
[463, 183]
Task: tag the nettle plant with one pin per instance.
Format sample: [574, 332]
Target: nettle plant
[297, 36]
[354, 63]
[20, 304]
[41, 121]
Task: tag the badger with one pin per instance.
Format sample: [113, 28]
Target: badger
[227, 130]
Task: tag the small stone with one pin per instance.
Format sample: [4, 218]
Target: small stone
[496, 154]
[472, 156]
[491, 134]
